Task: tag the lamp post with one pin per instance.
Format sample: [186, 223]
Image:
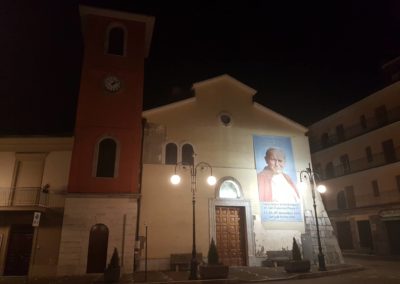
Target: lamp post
[211, 180]
[310, 176]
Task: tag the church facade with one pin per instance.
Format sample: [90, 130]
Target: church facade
[72, 200]
[224, 132]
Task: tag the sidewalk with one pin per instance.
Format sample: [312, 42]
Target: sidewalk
[236, 275]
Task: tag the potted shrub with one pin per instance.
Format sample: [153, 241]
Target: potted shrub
[213, 269]
[113, 270]
[297, 264]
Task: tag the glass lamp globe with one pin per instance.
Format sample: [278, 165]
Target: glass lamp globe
[211, 180]
[321, 188]
[175, 179]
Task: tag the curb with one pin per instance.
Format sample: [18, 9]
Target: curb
[331, 272]
[316, 274]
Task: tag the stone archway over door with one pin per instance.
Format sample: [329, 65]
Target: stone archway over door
[97, 252]
[231, 235]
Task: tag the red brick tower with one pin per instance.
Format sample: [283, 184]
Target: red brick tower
[101, 205]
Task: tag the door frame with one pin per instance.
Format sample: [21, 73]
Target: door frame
[248, 226]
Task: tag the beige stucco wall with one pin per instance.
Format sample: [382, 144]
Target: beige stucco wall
[167, 209]
[56, 153]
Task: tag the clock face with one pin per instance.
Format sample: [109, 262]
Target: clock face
[112, 84]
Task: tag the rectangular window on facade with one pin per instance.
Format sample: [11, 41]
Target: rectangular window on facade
[363, 122]
[340, 132]
[325, 139]
[389, 151]
[375, 188]
[350, 197]
[344, 160]
[368, 152]
[398, 182]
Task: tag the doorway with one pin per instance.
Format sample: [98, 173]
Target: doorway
[231, 235]
[97, 252]
[19, 250]
[365, 235]
[344, 235]
[393, 231]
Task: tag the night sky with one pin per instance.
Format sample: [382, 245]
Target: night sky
[306, 59]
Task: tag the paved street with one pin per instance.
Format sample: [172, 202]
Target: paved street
[376, 271]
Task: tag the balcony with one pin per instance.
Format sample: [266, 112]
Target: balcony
[370, 124]
[30, 198]
[362, 164]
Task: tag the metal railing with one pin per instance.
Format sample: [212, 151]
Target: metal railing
[361, 164]
[393, 115]
[31, 197]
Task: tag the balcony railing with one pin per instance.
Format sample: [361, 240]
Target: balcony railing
[361, 164]
[393, 115]
[30, 197]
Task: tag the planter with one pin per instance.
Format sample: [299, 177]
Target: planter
[112, 275]
[296, 266]
[214, 271]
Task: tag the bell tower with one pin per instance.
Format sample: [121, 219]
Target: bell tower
[105, 162]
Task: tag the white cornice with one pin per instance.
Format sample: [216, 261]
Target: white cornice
[226, 77]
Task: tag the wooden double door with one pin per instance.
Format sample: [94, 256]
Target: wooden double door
[231, 235]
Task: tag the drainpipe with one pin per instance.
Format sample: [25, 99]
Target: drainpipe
[136, 257]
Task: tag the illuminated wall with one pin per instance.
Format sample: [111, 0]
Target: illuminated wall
[229, 148]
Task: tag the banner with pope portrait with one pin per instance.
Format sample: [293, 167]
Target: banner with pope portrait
[277, 181]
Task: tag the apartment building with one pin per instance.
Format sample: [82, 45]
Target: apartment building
[356, 151]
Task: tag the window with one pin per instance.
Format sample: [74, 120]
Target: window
[363, 122]
[398, 182]
[344, 160]
[171, 154]
[116, 41]
[229, 188]
[368, 151]
[350, 197]
[329, 172]
[341, 200]
[225, 118]
[340, 132]
[324, 140]
[187, 154]
[106, 158]
[389, 151]
[375, 188]
[318, 169]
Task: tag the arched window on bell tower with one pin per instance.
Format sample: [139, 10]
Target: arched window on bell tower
[116, 40]
[107, 157]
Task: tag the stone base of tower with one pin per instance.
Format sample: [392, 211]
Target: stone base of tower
[116, 214]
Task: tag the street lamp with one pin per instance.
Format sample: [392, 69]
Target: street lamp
[211, 180]
[309, 175]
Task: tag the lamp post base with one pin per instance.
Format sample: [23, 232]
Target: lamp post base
[321, 262]
[193, 269]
